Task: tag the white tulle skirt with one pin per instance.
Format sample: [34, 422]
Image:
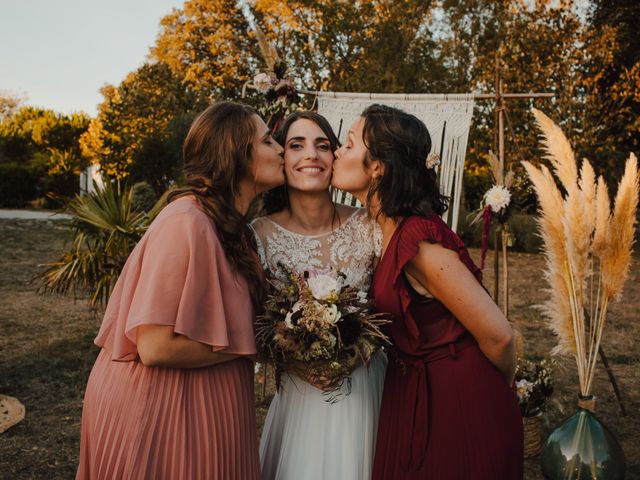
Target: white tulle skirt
[305, 437]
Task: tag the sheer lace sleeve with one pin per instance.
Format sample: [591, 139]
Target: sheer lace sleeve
[256, 227]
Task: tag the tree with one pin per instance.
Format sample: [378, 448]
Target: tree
[159, 160]
[208, 44]
[44, 146]
[9, 103]
[376, 46]
[136, 113]
[543, 46]
[617, 83]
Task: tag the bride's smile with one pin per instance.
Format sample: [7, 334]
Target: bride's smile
[311, 170]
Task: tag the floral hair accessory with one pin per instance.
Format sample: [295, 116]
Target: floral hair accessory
[432, 161]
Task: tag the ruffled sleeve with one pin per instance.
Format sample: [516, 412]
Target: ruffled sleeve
[412, 232]
[178, 275]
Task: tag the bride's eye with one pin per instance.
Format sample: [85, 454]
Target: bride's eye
[295, 146]
[323, 147]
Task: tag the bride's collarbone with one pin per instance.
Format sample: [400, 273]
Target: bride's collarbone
[286, 220]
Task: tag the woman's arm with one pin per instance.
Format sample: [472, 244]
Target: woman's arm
[440, 271]
[160, 346]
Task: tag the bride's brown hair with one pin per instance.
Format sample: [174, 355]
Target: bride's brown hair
[217, 156]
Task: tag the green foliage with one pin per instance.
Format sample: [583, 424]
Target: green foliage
[159, 160]
[136, 120]
[375, 46]
[143, 197]
[106, 228]
[522, 226]
[546, 46]
[208, 44]
[45, 144]
[476, 184]
[17, 185]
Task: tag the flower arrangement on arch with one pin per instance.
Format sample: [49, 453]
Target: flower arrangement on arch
[317, 320]
[495, 204]
[277, 87]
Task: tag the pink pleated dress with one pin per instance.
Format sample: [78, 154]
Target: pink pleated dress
[143, 422]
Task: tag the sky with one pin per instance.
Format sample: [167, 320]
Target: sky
[58, 53]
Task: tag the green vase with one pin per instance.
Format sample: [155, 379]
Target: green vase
[582, 448]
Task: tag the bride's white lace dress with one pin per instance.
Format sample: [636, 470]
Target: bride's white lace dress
[305, 437]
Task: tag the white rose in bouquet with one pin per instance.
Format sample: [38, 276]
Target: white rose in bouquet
[330, 313]
[322, 285]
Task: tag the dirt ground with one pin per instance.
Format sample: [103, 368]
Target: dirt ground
[46, 353]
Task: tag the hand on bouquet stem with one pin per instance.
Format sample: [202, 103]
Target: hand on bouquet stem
[321, 382]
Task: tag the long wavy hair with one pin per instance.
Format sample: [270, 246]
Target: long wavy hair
[277, 199]
[217, 157]
[401, 142]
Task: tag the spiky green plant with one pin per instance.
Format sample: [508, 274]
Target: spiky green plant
[106, 229]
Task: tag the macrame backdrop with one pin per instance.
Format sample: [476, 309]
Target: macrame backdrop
[448, 118]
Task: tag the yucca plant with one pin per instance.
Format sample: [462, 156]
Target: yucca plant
[587, 246]
[106, 228]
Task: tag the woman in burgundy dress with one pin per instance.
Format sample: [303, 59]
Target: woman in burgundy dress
[448, 411]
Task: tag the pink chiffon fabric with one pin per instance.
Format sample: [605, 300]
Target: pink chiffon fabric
[170, 423]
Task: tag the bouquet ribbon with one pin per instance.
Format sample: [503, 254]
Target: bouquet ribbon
[414, 446]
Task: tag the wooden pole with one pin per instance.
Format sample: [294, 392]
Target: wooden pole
[496, 267]
[496, 148]
[505, 270]
[477, 96]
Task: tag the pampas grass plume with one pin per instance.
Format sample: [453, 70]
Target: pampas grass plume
[616, 260]
[558, 149]
[587, 248]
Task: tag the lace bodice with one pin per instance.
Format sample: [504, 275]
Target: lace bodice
[352, 248]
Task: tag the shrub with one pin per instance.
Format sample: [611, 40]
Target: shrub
[18, 185]
[523, 228]
[475, 186]
[143, 197]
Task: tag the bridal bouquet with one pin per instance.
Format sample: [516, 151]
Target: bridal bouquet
[316, 319]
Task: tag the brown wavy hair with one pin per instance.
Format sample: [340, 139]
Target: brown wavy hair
[217, 156]
[401, 142]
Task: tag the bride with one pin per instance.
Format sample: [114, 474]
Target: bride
[305, 436]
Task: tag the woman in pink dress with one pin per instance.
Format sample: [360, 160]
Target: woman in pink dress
[171, 393]
[448, 411]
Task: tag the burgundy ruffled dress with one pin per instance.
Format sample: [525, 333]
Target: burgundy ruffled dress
[157, 423]
[447, 412]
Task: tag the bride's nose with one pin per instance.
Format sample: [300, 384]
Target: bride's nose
[311, 153]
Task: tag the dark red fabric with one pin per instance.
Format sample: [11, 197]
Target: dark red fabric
[447, 412]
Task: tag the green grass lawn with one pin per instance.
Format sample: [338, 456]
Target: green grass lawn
[46, 353]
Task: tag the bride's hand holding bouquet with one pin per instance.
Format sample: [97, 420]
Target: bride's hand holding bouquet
[318, 327]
